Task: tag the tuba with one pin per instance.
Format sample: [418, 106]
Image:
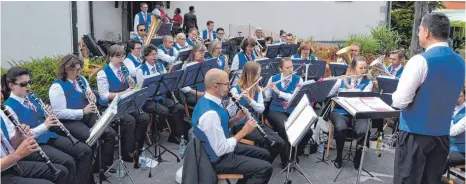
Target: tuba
[345, 55]
[154, 27]
[377, 68]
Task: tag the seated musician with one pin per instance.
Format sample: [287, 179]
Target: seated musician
[192, 37]
[211, 125]
[141, 34]
[215, 50]
[72, 107]
[396, 68]
[457, 133]
[60, 149]
[289, 39]
[162, 105]
[112, 80]
[166, 52]
[259, 33]
[268, 40]
[15, 169]
[305, 51]
[341, 119]
[221, 35]
[254, 102]
[209, 34]
[278, 93]
[241, 58]
[181, 42]
[282, 37]
[133, 59]
[195, 91]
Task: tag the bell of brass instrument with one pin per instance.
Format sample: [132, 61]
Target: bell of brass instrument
[345, 55]
[377, 68]
[49, 113]
[258, 49]
[154, 27]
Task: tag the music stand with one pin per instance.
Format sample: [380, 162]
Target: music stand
[266, 74]
[287, 50]
[156, 41]
[265, 63]
[316, 70]
[387, 85]
[229, 48]
[272, 51]
[297, 125]
[300, 66]
[360, 108]
[183, 54]
[337, 69]
[261, 42]
[94, 49]
[165, 29]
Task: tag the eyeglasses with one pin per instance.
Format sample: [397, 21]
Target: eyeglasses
[24, 84]
[122, 56]
[75, 69]
[226, 84]
[138, 48]
[353, 50]
[142, 30]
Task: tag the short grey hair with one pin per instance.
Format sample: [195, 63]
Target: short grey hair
[398, 52]
[356, 44]
[438, 24]
[166, 37]
[212, 46]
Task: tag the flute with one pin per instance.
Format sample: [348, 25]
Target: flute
[284, 78]
[88, 94]
[47, 113]
[248, 114]
[41, 153]
[338, 77]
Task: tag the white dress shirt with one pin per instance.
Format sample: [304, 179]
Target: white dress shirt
[5, 148]
[286, 96]
[414, 74]
[210, 124]
[396, 69]
[460, 126]
[187, 88]
[136, 20]
[166, 57]
[11, 127]
[235, 63]
[130, 65]
[58, 102]
[102, 82]
[337, 86]
[258, 105]
[140, 74]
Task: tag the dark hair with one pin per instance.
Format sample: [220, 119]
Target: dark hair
[67, 63]
[142, 4]
[289, 34]
[397, 52]
[147, 50]
[438, 24]
[178, 10]
[282, 62]
[191, 29]
[355, 61]
[248, 41]
[210, 22]
[115, 50]
[10, 77]
[191, 8]
[140, 25]
[132, 44]
[281, 32]
[220, 29]
[268, 38]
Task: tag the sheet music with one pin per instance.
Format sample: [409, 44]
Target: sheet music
[300, 121]
[358, 105]
[363, 104]
[301, 105]
[376, 104]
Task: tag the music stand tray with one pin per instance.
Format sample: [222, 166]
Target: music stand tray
[272, 51]
[337, 69]
[183, 54]
[152, 82]
[189, 76]
[266, 74]
[387, 84]
[287, 50]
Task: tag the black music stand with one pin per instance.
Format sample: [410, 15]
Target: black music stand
[266, 74]
[338, 69]
[300, 66]
[377, 114]
[229, 48]
[287, 50]
[165, 29]
[94, 49]
[190, 76]
[211, 61]
[183, 54]
[261, 42]
[272, 51]
[387, 85]
[156, 41]
[316, 69]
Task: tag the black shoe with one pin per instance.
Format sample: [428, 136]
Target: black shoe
[126, 158]
[174, 140]
[337, 163]
[357, 158]
[284, 164]
[374, 136]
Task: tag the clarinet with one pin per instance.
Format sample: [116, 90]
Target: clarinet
[41, 153]
[88, 94]
[47, 113]
[130, 80]
[248, 114]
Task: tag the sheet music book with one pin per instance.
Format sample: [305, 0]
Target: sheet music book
[300, 121]
[363, 104]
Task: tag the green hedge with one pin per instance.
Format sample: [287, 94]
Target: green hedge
[44, 73]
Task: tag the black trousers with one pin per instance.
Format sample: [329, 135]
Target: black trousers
[277, 121]
[191, 99]
[247, 160]
[32, 172]
[137, 134]
[274, 150]
[341, 126]
[420, 158]
[163, 109]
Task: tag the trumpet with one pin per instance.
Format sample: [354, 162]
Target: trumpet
[258, 49]
[41, 153]
[89, 94]
[49, 113]
[128, 77]
[248, 114]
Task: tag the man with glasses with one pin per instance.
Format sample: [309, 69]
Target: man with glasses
[211, 125]
[141, 34]
[142, 17]
[133, 60]
[221, 35]
[166, 52]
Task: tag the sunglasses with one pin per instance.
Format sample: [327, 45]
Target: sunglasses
[142, 30]
[353, 50]
[24, 84]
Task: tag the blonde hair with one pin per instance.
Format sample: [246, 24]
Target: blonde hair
[251, 71]
[305, 45]
[179, 36]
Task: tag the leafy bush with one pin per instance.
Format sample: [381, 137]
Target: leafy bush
[44, 73]
[388, 39]
[367, 42]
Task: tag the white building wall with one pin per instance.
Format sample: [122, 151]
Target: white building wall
[35, 29]
[108, 21]
[84, 26]
[323, 21]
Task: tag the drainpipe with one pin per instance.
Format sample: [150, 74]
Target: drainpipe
[389, 15]
[74, 24]
[91, 18]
